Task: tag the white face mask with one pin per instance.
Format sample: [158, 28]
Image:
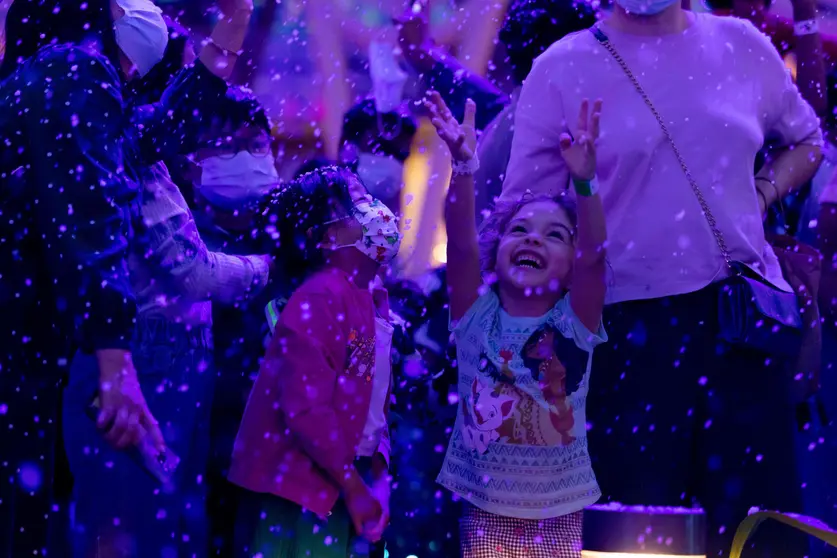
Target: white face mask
[383, 176]
[237, 182]
[142, 34]
[388, 79]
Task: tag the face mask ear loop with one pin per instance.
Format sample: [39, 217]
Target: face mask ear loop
[383, 132]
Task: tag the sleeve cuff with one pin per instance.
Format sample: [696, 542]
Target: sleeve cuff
[592, 338]
[261, 273]
[814, 139]
[385, 449]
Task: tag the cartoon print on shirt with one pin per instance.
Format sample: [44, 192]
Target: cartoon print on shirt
[504, 374]
[547, 420]
[541, 358]
[484, 411]
[360, 360]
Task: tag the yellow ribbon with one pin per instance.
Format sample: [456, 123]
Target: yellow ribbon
[807, 525]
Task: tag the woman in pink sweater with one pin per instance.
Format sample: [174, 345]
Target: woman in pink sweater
[679, 416]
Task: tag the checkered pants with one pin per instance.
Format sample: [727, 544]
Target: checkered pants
[485, 535]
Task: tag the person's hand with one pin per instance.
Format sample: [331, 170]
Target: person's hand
[461, 139]
[124, 416]
[365, 510]
[579, 148]
[381, 490]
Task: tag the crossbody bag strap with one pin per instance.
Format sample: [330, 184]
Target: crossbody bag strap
[707, 213]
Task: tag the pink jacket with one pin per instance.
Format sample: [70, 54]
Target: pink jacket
[310, 402]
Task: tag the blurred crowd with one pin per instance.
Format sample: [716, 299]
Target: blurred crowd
[212, 347]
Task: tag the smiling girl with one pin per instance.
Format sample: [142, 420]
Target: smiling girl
[518, 453]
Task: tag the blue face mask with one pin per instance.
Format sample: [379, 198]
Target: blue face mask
[645, 7]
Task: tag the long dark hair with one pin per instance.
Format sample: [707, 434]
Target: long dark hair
[34, 24]
[293, 222]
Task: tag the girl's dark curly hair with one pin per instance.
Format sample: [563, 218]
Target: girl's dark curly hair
[294, 219]
[494, 226]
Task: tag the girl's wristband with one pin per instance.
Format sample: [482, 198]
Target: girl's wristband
[466, 168]
[586, 188]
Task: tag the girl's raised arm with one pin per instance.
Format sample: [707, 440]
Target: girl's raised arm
[579, 154]
[463, 258]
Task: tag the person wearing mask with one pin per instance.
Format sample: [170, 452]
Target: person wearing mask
[376, 141]
[134, 36]
[684, 411]
[66, 203]
[530, 27]
[319, 485]
[177, 279]
[235, 166]
[234, 170]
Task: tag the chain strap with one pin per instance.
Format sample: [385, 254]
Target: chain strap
[707, 213]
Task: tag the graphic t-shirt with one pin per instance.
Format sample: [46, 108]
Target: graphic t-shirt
[519, 447]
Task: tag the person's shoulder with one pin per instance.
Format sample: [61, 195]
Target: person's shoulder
[327, 286]
[570, 46]
[480, 314]
[318, 283]
[571, 52]
[311, 302]
[733, 30]
[564, 318]
[67, 71]
[73, 62]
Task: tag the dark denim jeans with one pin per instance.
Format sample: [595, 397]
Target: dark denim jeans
[817, 448]
[120, 510]
[30, 518]
[679, 418]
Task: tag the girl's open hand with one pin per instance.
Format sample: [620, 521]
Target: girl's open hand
[579, 148]
[461, 139]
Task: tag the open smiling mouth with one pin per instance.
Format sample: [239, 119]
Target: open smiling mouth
[528, 260]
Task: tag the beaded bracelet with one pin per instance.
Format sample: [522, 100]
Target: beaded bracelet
[465, 168]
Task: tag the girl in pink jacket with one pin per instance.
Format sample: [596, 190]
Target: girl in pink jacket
[312, 451]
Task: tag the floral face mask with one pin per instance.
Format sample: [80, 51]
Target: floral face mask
[381, 238]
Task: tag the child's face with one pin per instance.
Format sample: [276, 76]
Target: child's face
[347, 230]
[536, 251]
